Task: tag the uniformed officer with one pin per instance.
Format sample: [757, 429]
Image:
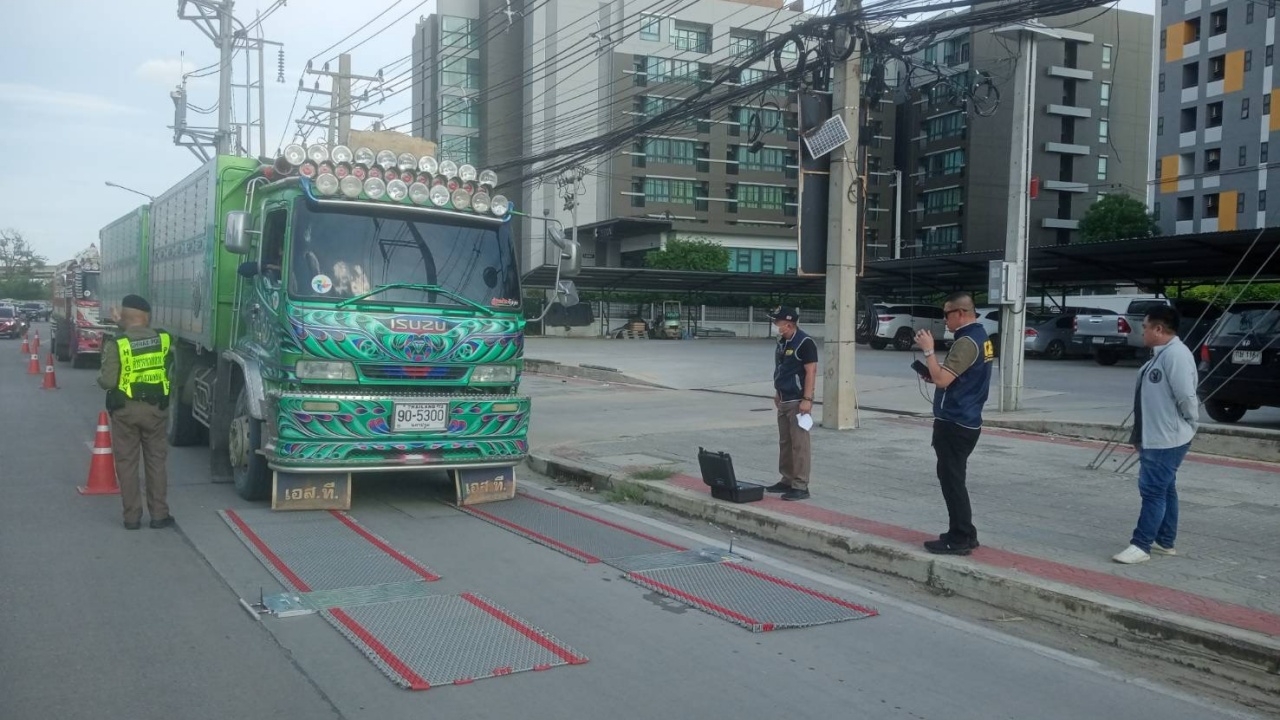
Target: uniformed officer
[135, 374]
[794, 375]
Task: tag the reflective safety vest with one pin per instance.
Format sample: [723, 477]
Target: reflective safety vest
[142, 366]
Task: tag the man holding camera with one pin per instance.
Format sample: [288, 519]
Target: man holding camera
[795, 373]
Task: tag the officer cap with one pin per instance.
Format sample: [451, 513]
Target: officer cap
[136, 302]
[785, 313]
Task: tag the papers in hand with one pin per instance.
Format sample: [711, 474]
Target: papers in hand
[805, 421]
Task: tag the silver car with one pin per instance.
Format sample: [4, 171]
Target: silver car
[1053, 336]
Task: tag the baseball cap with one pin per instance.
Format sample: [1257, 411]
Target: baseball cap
[785, 313]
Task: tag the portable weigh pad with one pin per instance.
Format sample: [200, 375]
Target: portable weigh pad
[448, 639]
[322, 550]
[755, 600]
[569, 531]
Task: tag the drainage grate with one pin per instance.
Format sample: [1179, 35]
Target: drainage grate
[323, 550]
[570, 531]
[745, 596]
[660, 561]
[448, 639]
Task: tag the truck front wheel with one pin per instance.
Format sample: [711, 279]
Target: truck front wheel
[184, 430]
[248, 466]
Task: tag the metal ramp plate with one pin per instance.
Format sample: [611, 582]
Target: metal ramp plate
[448, 639]
[322, 550]
[757, 601]
[569, 531]
[641, 563]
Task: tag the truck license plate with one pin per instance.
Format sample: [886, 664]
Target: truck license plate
[420, 416]
[1247, 357]
[1099, 340]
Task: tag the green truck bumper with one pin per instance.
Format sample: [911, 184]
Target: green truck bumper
[346, 433]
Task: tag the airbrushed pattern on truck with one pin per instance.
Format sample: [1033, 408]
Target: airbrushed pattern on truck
[411, 338]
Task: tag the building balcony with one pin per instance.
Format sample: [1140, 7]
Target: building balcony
[1066, 73]
[1068, 111]
[1191, 94]
[1065, 186]
[1184, 227]
[1066, 148]
[1059, 224]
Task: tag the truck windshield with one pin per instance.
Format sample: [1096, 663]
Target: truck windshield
[89, 284]
[339, 254]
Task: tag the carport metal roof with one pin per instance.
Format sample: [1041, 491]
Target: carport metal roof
[605, 279]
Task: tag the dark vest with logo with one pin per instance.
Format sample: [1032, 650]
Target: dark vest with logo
[788, 371]
[961, 402]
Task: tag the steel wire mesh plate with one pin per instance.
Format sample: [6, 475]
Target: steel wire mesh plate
[448, 639]
[641, 563]
[567, 530]
[757, 601]
[322, 550]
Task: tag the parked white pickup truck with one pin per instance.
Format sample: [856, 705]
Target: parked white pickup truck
[1114, 337]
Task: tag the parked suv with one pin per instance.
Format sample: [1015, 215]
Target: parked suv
[898, 324]
[1240, 362]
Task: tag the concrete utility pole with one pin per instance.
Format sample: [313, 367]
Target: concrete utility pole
[337, 116]
[226, 48]
[839, 401]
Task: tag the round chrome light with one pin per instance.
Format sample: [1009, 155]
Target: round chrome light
[327, 184]
[408, 161]
[397, 190]
[481, 202]
[467, 173]
[325, 167]
[488, 178]
[351, 186]
[428, 165]
[317, 153]
[360, 172]
[419, 193]
[501, 205]
[461, 199]
[439, 195]
[387, 159]
[374, 188]
[342, 170]
[449, 168]
[307, 169]
[341, 154]
[365, 156]
[294, 154]
[375, 172]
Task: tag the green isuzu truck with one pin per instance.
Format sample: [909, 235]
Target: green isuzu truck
[338, 311]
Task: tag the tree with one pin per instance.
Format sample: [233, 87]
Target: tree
[690, 254]
[18, 263]
[1116, 217]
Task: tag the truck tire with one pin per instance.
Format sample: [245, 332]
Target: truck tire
[1224, 411]
[878, 343]
[1056, 350]
[1107, 356]
[61, 349]
[183, 428]
[248, 467]
[904, 339]
[81, 361]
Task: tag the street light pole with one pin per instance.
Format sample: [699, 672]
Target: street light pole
[135, 192]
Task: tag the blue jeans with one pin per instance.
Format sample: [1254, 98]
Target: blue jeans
[1157, 478]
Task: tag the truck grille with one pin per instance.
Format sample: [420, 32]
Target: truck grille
[412, 372]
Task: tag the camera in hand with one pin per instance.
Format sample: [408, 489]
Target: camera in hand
[921, 369]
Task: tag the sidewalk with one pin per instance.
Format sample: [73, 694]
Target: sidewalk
[1048, 525]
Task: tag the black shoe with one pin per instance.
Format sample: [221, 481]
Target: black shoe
[973, 544]
[162, 523]
[132, 525]
[794, 494]
[946, 547]
[778, 487]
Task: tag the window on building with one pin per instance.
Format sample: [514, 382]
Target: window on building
[1160, 125]
[1190, 75]
[743, 43]
[1155, 211]
[950, 162]
[460, 148]
[1213, 115]
[666, 190]
[945, 126]
[1239, 202]
[1102, 167]
[777, 262]
[1218, 22]
[1186, 209]
[767, 159]
[1271, 8]
[1244, 156]
[1104, 130]
[1266, 104]
[459, 111]
[943, 240]
[955, 51]
[650, 27]
[1071, 53]
[1217, 68]
[1104, 94]
[1189, 119]
[1107, 53]
[669, 150]
[1248, 60]
[1263, 150]
[761, 197]
[1270, 56]
[931, 53]
[1161, 82]
[1211, 206]
[940, 201]
[460, 73]
[691, 37]
[1262, 200]
[1244, 108]
[788, 51]
[1248, 14]
[1164, 38]
[1212, 160]
[748, 76]
[1191, 32]
[1186, 164]
[457, 32]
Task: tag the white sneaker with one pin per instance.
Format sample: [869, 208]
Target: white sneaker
[1159, 549]
[1131, 555]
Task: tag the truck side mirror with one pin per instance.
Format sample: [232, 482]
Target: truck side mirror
[567, 293]
[236, 235]
[570, 252]
[248, 269]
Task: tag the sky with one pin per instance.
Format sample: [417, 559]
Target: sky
[85, 97]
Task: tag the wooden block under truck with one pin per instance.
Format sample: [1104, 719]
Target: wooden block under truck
[340, 311]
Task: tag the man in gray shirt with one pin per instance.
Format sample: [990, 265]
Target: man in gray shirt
[1166, 416]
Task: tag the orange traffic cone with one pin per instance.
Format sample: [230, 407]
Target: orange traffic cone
[50, 380]
[33, 366]
[35, 343]
[26, 346]
[102, 469]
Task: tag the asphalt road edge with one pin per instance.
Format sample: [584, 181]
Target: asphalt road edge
[1228, 652]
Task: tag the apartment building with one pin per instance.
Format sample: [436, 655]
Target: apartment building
[1212, 121]
[1089, 131]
